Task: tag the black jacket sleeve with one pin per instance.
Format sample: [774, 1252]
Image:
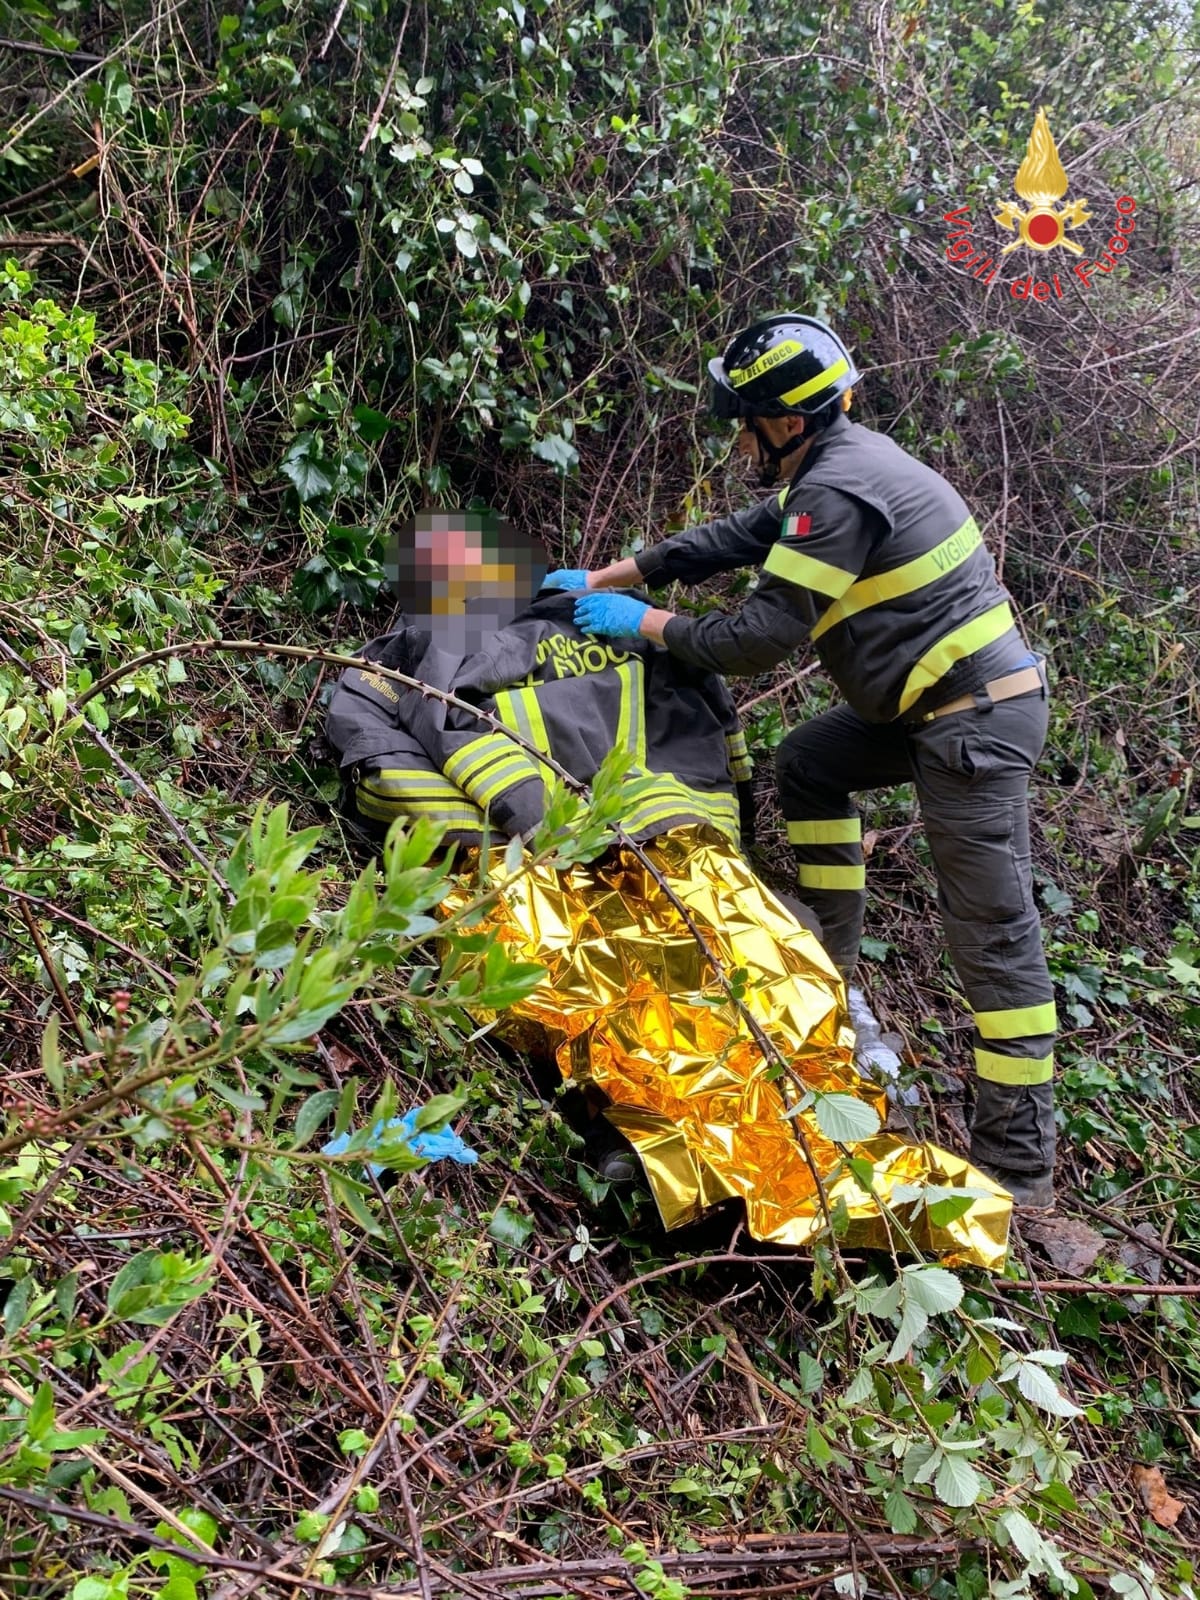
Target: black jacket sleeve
[824, 542]
[741, 540]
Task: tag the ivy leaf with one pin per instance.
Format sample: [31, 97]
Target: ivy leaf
[558, 451]
[957, 1483]
[845, 1119]
[466, 242]
[510, 1227]
[303, 468]
[372, 424]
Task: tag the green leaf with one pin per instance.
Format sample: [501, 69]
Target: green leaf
[510, 1227]
[303, 468]
[595, 1189]
[812, 1373]
[274, 945]
[312, 1114]
[957, 1483]
[40, 1420]
[913, 1324]
[900, 1512]
[438, 1111]
[943, 1212]
[1078, 1318]
[933, 1288]
[352, 1197]
[1040, 1389]
[844, 1119]
[372, 425]
[558, 451]
[199, 1522]
[52, 1056]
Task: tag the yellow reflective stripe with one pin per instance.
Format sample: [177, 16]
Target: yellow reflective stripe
[380, 810]
[906, 579]
[810, 877]
[649, 816]
[740, 376]
[717, 805]
[631, 717]
[1013, 1069]
[410, 781]
[793, 566]
[505, 775]
[740, 765]
[828, 830]
[519, 709]
[822, 380]
[783, 494]
[476, 755]
[1021, 1022]
[957, 646]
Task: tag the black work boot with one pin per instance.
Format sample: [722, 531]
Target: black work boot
[1031, 1191]
[610, 1152]
[1012, 1140]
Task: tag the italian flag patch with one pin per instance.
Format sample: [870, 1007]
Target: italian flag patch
[797, 526]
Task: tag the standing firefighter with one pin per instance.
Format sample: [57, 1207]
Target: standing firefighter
[877, 560]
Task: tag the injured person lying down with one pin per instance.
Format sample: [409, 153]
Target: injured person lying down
[630, 1008]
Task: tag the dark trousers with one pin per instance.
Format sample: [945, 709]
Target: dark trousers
[971, 771]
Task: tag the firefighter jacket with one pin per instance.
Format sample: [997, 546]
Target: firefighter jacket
[871, 556]
[572, 696]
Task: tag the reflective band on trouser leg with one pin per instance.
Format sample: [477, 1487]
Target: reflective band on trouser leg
[813, 877]
[826, 830]
[1013, 1069]
[1018, 1022]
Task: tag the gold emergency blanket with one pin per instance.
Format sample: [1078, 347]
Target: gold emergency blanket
[631, 1005]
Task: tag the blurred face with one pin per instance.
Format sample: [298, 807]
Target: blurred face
[461, 575]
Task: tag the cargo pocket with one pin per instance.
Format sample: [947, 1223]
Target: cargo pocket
[983, 863]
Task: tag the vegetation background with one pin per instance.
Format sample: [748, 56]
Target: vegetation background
[277, 276]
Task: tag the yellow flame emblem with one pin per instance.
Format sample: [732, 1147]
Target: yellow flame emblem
[1040, 181]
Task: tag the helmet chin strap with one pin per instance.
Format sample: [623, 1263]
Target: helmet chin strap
[770, 455]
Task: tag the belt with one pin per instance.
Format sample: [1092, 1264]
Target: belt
[1008, 687]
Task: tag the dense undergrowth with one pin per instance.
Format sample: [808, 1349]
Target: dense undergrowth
[276, 277]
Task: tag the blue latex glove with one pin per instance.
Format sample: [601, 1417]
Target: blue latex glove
[568, 578]
[432, 1146]
[611, 616]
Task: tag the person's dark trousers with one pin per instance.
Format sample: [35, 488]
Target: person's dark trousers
[971, 771]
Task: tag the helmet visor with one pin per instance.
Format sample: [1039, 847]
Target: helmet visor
[723, 401]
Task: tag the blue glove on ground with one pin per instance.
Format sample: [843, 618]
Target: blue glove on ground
[612, 616]
[432, 1146]
[568, 578]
